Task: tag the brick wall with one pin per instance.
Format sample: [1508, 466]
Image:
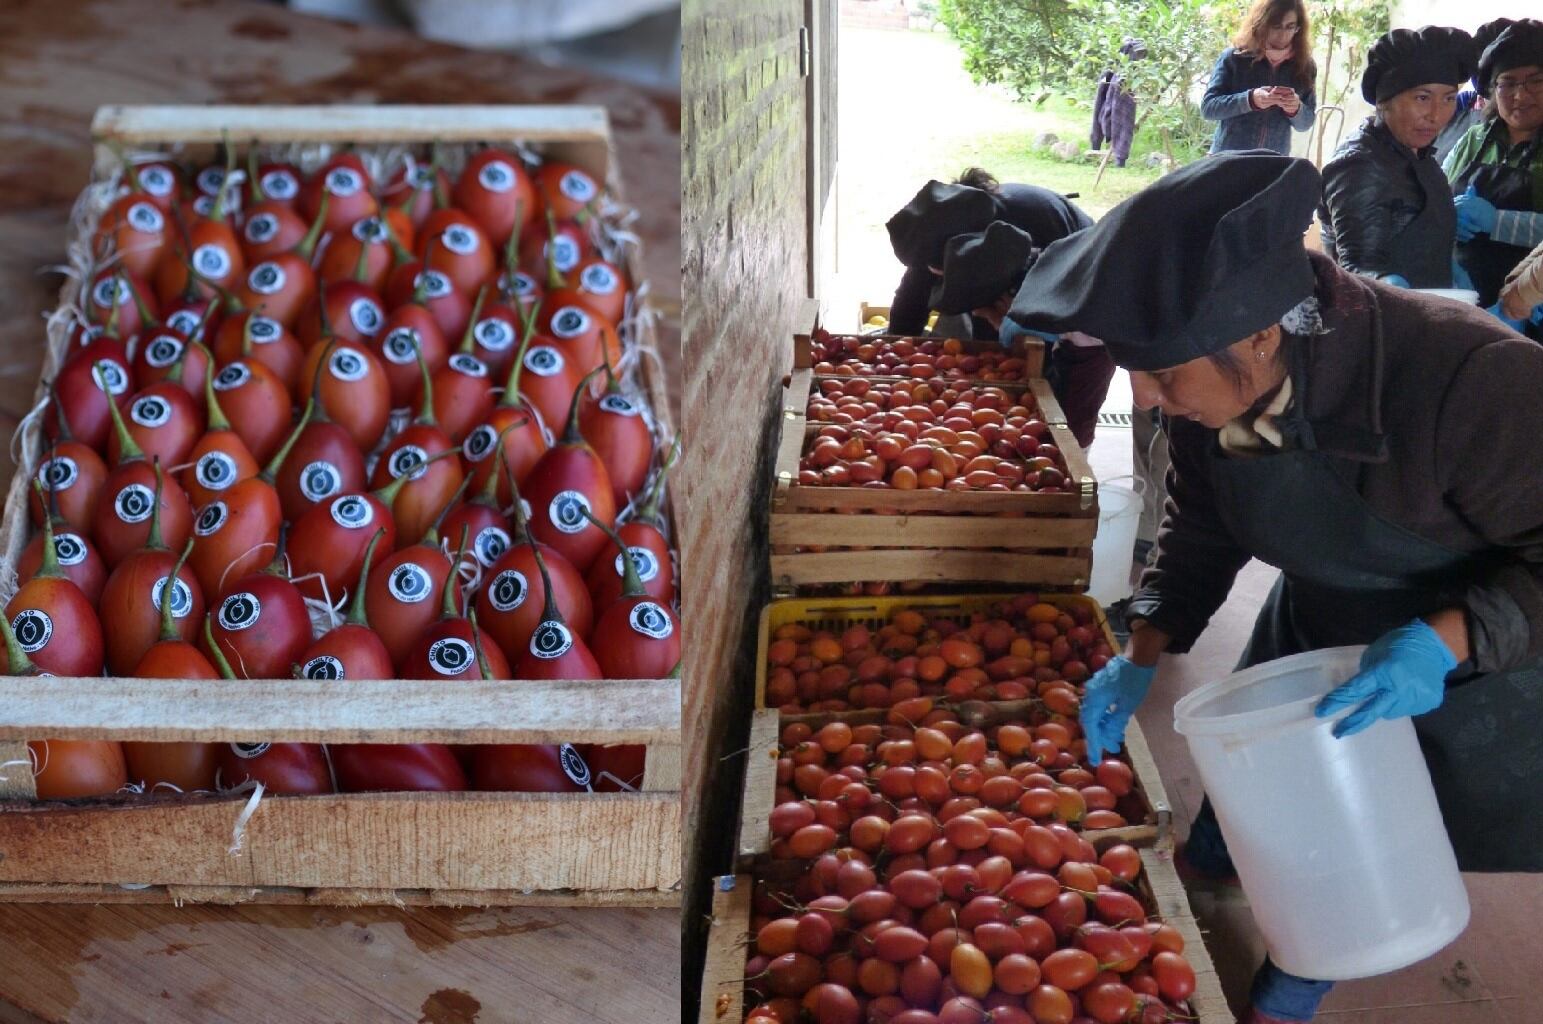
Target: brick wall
[744, 255]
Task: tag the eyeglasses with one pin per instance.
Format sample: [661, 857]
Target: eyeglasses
[1293, 28]
[1532, 86]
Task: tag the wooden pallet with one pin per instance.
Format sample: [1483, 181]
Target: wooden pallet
[1042, 540]
[388, 848]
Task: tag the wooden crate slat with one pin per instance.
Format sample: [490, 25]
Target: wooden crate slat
[16, 781]
[760, 786]
[723, 975]
[663, 768]
[365, 840]
[924, 531]
[1049, 407]
[931, 565]
[1025, 505]
[356, 711]
[1208, 1001]
[1147, 778]
[231, 895]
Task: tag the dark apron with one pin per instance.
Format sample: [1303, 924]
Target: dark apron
[1507, 188]
[1347, 577]
[1422, 252]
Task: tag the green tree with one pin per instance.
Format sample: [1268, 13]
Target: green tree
[1343, 32]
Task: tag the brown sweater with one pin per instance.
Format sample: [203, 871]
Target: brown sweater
[1436, 425]
[1523, 286]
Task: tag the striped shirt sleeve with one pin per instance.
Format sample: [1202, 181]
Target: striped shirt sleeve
[1518, 227]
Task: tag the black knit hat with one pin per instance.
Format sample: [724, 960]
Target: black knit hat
[1518, 46]
[982, 266]
[934, 215]
[1196, 261]
[1404, 58]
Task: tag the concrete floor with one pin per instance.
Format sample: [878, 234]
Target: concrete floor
[1486, 977]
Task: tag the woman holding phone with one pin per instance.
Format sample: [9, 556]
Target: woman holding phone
[1262, 87]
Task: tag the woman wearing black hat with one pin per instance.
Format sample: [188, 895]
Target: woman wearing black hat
[1377, 446]
[981, 273]
[1496, 170]
[940, 211]
[1386, 209]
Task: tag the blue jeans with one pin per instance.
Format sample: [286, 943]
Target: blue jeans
[1274, 991]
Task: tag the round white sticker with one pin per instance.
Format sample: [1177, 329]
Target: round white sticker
[651, 620]
[578, 186]
[215, 470]
[410, 583]
[150, 411]
[347, 365]
[468, 366]
[494, 334]
[370, 230]
[58, 473]
[134, 503]
[263, 331]
[183, 321]
[232, 377]
[644, 562]
[620, 405]
[460, 239]
[408, 460]
[249, 750]
[210, 179]
[210, 518]
[163, 351]
[352, 512]
[565, 253]
[480, 443]
[145, 217]
[110, 377]
[344, 181]
[451, 656]
[523, 285]
[508, 590]
[70, 547]
[280, 184]
[212, 262]
[110, 291]
[599, 279]
[496, 176]
[267, 279]
[157, 181]
[241, 611]
[261, 228]
[574, 765]
[320, 479]
[570, 322]
[543, 360]
[434, 284]
[33, 629]
[401, 346]
[366, 315]
[323, 666]
[181, 597]
[490, 545]
[551, 640]
[567, 511]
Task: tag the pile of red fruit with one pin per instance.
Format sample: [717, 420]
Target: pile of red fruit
[929, 874]
[1023, 648]
[212, 427]
[922, 358]
[915, 434]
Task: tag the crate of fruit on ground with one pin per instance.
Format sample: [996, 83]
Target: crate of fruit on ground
[339, 558]
[922, 481]
[1080, 931]
[896, 355]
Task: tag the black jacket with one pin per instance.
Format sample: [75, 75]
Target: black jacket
[1046, 215]
[1388, 210]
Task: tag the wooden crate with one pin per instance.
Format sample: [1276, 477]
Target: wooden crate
[390, 848]
[936, 536]
[729, 939]
[1033, 355]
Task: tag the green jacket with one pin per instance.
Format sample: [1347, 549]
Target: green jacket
[1485, 143]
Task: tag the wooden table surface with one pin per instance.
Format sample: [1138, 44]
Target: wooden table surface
[59, 61]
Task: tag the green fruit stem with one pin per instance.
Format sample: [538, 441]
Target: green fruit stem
[632, 583]
[356, 612]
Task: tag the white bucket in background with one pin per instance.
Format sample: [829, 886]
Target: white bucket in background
[1466, 295]
[1339, 843]
[1119, 517]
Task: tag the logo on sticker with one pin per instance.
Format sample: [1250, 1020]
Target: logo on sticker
[280, 184]
[567, 511]
[70, 548]
[370, 230]
[544, 360]
[410, 583]
[261, 228]
[570, 322]
[110, 377]
[240, 611]
[468, 366]
[347, 365]
[163, 351]
[490, 544]
[494, 334]
[320, 480]
[110, 291]
[508, 590]
[459, 239]
[58, 473]
[183, 321]
[551, 640]
[451, 656]
[352, 512]
[401, 346]
[578, 186]
[434, 284]
[215, 471]
[133, 503]
[574, 765]
[324, 666]
[344, 181]
[620, 405]
[232, 377]
[145, 217]
[644, 562]
[210, 179]
[250, 750]
[211, 261]
[366, 315]
[155, 180]
[496, 176]
[410, 461]
[181, 597]
[150, 411]
[262, 330]
[267, 278]
[480, 442]
[33, 629]
[651, 620]
[565, 253]
[210, 518]
[599, 279]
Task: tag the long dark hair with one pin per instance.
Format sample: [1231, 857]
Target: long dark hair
[1255, 29]
[979, 177]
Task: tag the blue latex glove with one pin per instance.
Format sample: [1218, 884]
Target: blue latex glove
[1460, 278]
[1396, 280]
[1499, 314]
[1009, 332]
[1403, 673]
[1109, 700]
[1537, 313]
[1475, 216]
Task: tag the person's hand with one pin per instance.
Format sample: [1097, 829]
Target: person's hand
[1460, 278]
[1263, 98]
[1475, 216]
[1108, 702]
[1287, 99]
[1499, 314]
[1396, 280]
[1403, 673]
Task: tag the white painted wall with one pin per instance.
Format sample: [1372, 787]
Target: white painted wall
[1463, 14]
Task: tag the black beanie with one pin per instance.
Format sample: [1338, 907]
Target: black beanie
[982, 266]
[934, 215]
[1402, 59]
[1518, 46]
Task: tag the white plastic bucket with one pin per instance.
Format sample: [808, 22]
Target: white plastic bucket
[1339, 843]
[1119, 517]
[1467, 295]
